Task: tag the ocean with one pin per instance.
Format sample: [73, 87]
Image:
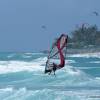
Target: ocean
[22, 77]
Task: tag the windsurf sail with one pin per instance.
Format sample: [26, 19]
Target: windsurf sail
[57, 54]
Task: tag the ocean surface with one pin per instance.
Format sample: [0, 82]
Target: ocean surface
[22, 77]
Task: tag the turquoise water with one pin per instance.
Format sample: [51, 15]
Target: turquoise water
[22, 78]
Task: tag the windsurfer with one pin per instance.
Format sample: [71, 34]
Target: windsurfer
[53, 67]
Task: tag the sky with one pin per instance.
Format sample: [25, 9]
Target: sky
[32, 25]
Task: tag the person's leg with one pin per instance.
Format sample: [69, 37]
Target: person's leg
[54, 73]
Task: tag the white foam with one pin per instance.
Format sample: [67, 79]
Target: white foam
[11, 55]
[59, 94]
[86, 55]
[86, 67]
[10, 89]
[72, 71]
[41, 60]
[70, 61]
[35, 65]
[26, 56]
[28, 53]
[95, 62]
[16, 66]
[98, 78]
